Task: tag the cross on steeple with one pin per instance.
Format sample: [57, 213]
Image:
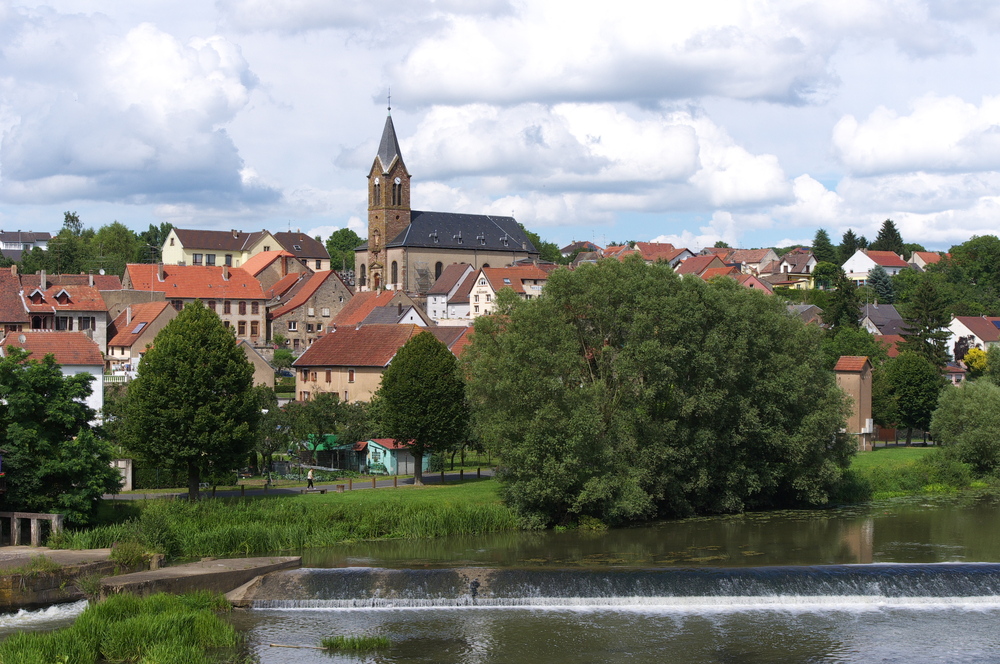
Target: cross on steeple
[388, 100]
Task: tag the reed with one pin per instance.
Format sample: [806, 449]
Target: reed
[250, 527]
[354, 643]
[160, 628]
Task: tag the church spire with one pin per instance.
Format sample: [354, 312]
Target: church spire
[388, 148]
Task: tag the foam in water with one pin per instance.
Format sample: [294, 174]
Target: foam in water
[25, 619]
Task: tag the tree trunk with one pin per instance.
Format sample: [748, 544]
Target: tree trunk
[453, 453]
[194, 479]
[909, 435]
[418, 469]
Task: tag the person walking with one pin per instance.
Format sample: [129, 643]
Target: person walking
[309, 480]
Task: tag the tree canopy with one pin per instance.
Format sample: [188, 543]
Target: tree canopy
[881, 283]
[888, 239]
[849, 246]
[191, 406]
[912, 386]
[927, 321]
[823, 248]
[421, 401]
[341, 245]
[844, 306]
[627, 392]
[968, 418]
[53, 461]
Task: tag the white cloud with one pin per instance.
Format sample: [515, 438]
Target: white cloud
[943, 134]
[722, 226]
[139, 117]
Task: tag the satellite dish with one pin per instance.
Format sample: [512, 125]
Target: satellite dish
[22, 338]
[101, 271]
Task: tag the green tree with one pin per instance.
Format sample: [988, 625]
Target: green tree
[547, 251]
[341, 245]
[151, 242]
[115, 246]
[849, 246]
[968, 418]
[844, 309]
[316, 418]
[927, 320]
[979, 259]
[274, 432]
[191, 406]
[72, 224]
[721, 244]
[421, 401]
[826, 274]
[913, 385]
[888, 239]
[910, 247]
[283, 358]
[823, 248]
[627, 392]
[53, 461]
[881, 283]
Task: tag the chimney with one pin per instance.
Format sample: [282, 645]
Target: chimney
[91, 280]
[41, 280]
[399, 308]
[13, 268]
[225, 272]
[159, 271]
[128, 315]
[236, 233]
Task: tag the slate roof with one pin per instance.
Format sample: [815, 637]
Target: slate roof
[584, 245]
[388, 147]
[387, 315]
[122, 333]
[797, 261]
[314, 283]
[69, 348]
[449, 277]
[883, 316]
[851, 363]
[366, 346]
[982, 326]
[187, 282]
[454, 230]
[24, 237]
[258, 262]
[217, 240]
[11, 305]
[886, 259]
[309, 248]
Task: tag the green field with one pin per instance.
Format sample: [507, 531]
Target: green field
[905, 471]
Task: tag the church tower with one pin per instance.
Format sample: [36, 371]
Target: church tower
[388, 203]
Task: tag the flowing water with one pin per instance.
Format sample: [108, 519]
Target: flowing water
[906, 581]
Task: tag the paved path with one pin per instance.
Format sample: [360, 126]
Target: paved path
[331, 487]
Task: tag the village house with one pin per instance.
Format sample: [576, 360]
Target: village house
[14, 244]
[235, 296]
[132, 332]
[580, 246]
[363, 304]
[881, 319]
[527, 282]
[75, 353]
[308, 313]
[272, 267]
[308, 251]
[864, 261]
[233, 248]
[750, 261]
[439, 305]
[854, 377]
[696, 265]
[967, 332]
[408, 249]
[921, 259]
[65, 305]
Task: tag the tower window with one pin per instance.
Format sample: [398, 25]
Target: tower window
[397, 192]
[438, 267]
[395, 272]
[377, 192]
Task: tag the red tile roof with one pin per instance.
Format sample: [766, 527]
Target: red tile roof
[458, 346]
[390, 443]
[698, 264]
[187, 282]
[891, 343]
[982, 327]
[851, 363]
[258, 262]
[727, 271]
[69, 348]
[513, 277]
[929, 257]
[654, 251]
[101, 281]
[308, 289]
[461, 295]
[886, 259]
[65, 298]
[124, 331]
[747, 255]
[750, 281]
[367, 346]
[11, 305]
[449, 277]
[359, 306]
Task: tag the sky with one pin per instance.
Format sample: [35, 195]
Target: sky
[750, 122]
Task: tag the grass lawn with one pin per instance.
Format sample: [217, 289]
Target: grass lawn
[906, 471]
[889, 457]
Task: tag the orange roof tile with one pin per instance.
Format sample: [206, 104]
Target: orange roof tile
[188, 282]
[654, 251]
[366, 346]
[68, 348]
[359, 306]
[891, 343]
[984, 327]
[124, 331]
[283, 285]
[11, 305]
[851, 363]
[886, 259]
[307, 291]
[929, 257]
[697, 264]
[513, 277]
[728, 271]
[64, 298]
[256, 263]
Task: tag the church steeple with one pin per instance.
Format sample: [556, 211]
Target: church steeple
[388, 147]
[388, 200]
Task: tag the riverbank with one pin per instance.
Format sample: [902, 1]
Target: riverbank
[894, 472]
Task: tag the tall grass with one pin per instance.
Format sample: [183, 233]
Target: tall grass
[890, 473]
[354, 643]
[250, 527]
[160, 628]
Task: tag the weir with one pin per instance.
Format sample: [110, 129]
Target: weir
[812, 587]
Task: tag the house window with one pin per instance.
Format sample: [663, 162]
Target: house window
[227, 307]
[243, 308]
[195, 259]
[229, 260]
[482, 282]
[171, 242]
[361, 282]
[209, 259]
[311, 312]
[254, 328]
[87, 323]
[312, 376]
[319, 263]
[329, 376]
[241, 328]
[303, 396]
[346, 399]
[177, 304]
[226, 323]
[477, 308]
[293, 326]
[475, 298]
[267, 247]
[486, 264]
[295, 344]
[305, 374]
[64, 323]
[211, 305]
[309, 328]
[255, 308]
[350, 375]
[438, 268]
[487, 297]
[326, 312]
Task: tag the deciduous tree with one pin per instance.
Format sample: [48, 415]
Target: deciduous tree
[421, 401]
[968, 418]
[341, 245]
[913, 384]
[191, 406]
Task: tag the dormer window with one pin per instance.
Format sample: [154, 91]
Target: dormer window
[296, 247]
[62, 297]
[37, 297]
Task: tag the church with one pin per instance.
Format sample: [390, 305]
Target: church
[407, 250]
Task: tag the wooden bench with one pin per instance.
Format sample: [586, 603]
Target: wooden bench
[312, 490]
